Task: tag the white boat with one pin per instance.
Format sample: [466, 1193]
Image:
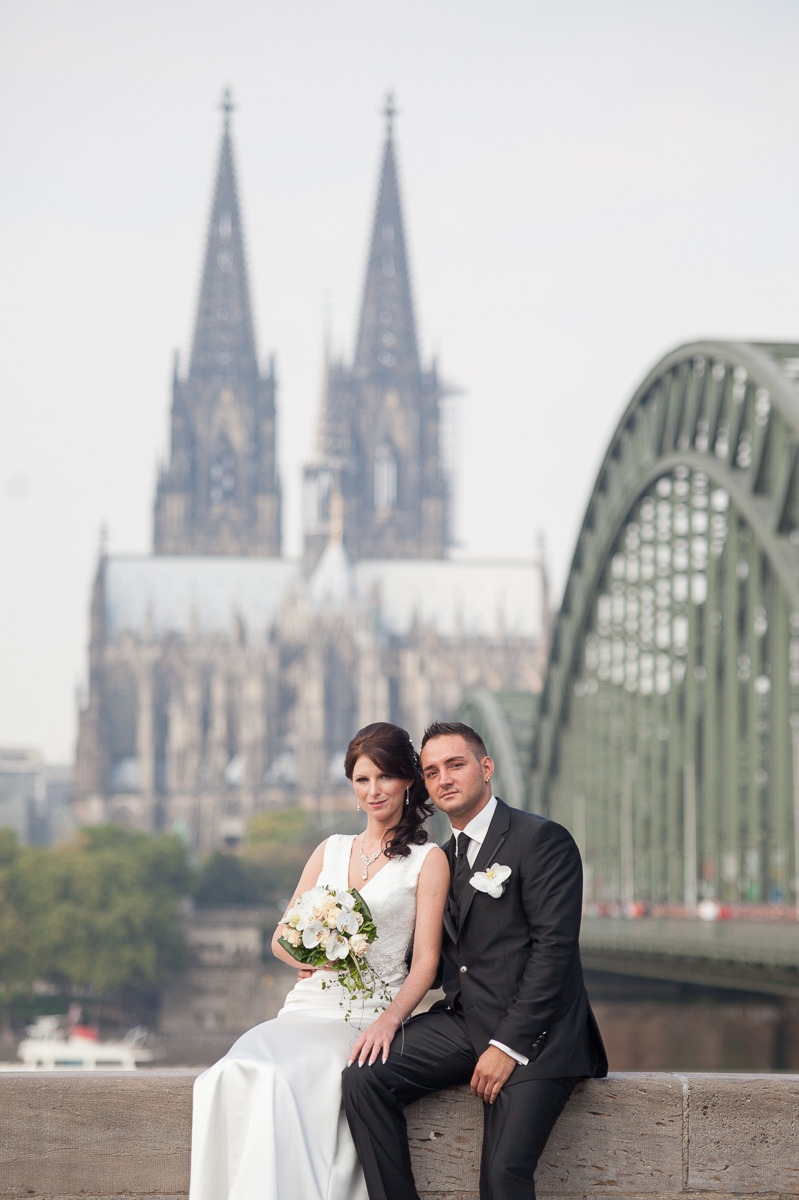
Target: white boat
[49, 1046]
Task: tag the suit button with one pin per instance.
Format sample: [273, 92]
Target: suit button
[464, 970]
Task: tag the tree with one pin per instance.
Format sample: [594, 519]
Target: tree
[99, 913]
[278, 844]
[281, 826]
[16, 959]
[226, 880]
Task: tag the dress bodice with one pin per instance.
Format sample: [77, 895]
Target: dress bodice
[391, 897]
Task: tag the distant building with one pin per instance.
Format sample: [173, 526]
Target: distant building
[227, 988]
[34, 797]
[225, 678]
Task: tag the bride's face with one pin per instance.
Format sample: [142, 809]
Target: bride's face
[381, 796]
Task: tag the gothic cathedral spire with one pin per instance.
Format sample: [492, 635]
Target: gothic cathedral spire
[220, 492]
[380, 462]
[387, 336]
[223, 334]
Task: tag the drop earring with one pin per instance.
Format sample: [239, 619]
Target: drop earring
[407, 796]
[358, 806]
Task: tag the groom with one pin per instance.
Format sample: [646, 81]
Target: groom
[515, 1022]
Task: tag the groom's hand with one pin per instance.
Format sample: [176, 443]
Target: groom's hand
[494, 1068]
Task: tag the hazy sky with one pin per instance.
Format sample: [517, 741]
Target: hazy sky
[585, 186]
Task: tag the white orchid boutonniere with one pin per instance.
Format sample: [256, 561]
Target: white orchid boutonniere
[493, 881]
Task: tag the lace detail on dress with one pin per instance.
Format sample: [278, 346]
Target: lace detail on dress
[391, 896]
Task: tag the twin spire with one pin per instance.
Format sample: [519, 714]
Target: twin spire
[223, 333]
[377, 484]
[387, 334]
[224, 340]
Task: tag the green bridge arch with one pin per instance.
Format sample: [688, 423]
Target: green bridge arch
[668, 734]
[505, 720]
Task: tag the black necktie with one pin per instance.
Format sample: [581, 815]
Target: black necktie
[460, 876]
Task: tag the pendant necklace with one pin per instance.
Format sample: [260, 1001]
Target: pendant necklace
[367, 862]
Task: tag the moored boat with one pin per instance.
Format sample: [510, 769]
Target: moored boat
[49, 1046]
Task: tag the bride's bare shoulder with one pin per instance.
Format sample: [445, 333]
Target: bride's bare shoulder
[435, 860]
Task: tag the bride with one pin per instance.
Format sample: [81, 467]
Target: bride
[267, 1120]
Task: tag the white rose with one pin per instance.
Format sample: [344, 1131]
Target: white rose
[359, 944]
[292, 937]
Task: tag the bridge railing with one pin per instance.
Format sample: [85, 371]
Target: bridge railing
[730, 941]
[736, 955]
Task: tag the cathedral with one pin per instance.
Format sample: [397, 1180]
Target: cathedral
[225, 678]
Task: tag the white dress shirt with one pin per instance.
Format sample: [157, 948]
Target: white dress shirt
[477, 830]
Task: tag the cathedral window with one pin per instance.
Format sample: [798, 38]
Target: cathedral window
[121, 731]
[386, 317]
[224, 259]
[225, 226]
[222, 473]
[385, 477]
[317, 498]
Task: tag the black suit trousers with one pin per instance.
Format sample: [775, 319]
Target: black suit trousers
[433, 1053]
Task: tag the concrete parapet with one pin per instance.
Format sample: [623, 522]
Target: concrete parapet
[103, 1135]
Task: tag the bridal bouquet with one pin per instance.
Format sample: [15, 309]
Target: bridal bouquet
[327, 927]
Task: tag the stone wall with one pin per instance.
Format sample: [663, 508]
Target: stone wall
[642, 1137]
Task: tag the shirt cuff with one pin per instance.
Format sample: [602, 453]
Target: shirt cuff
[521, 1060]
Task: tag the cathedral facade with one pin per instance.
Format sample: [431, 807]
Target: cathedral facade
[226, 678]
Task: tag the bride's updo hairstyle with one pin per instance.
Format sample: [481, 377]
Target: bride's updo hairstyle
[390, 748]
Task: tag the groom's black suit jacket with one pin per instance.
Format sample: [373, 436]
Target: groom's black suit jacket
[515, 960]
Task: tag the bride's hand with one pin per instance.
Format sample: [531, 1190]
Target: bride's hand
[376, 1040]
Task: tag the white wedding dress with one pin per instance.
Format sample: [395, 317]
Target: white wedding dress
[267, 1121]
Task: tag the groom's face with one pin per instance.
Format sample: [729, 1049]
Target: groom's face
[457, 781]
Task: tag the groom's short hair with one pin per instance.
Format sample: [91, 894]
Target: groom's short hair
[456, 729]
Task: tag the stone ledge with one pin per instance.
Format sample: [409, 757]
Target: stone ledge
[99, 1136]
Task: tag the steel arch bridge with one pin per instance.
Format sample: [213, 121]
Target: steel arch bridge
[668, 737]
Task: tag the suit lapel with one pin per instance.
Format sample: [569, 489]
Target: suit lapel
[488, 852]
[449, 924]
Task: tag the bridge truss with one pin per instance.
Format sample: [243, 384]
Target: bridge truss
[668, 738]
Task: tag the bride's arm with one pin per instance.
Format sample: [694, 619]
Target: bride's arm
[431, 896]
[310, 874]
